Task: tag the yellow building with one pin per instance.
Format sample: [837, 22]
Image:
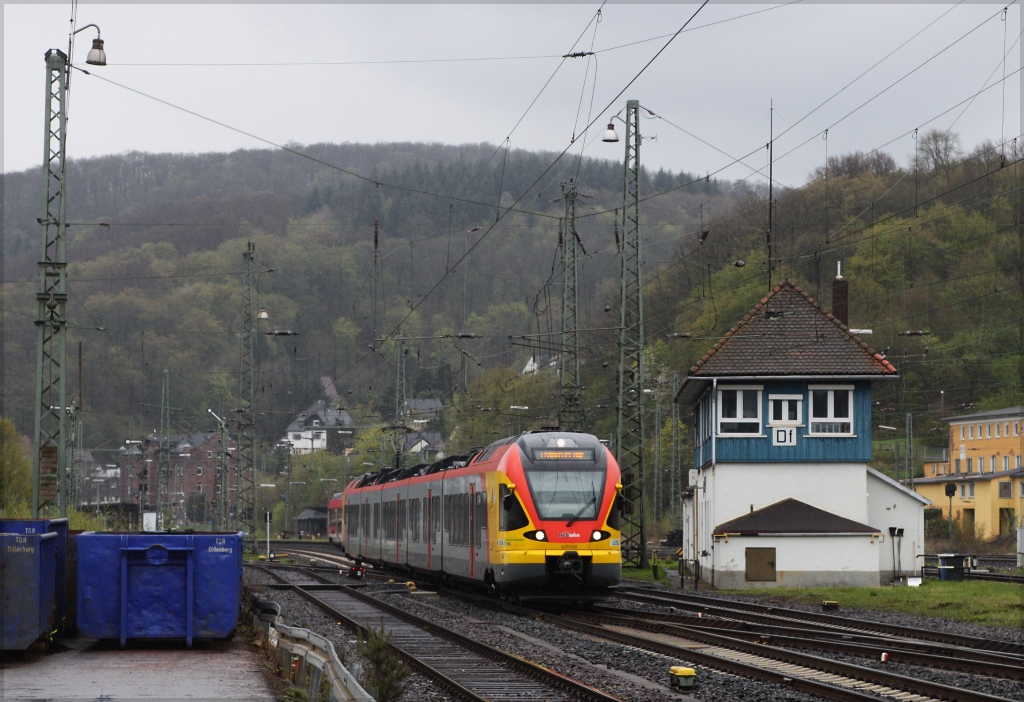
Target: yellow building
[986, 450]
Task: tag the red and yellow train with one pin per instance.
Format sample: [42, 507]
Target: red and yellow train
[531, 516]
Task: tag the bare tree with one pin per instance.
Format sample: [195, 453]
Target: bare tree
[938, 151]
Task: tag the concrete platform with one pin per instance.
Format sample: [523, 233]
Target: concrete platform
[225, 671]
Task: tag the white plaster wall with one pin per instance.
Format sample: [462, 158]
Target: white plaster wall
[801, 561]
[840, 488]
[891, 506]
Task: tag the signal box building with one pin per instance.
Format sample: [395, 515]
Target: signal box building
[781, 493]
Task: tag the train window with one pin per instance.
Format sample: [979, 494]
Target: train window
[511, 516]
[376, 520]
[615, 516]
[566, 492]
[480, 531]
[435, 517]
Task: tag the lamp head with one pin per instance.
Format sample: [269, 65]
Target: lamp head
[609, 134]
[97, 56]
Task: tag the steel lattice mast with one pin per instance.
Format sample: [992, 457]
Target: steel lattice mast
[163, 488]
[245, 467]
[570, 405]
[630, 420]
[49, 473]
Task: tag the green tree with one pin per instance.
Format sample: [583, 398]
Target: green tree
[15, 468]
[386, 672]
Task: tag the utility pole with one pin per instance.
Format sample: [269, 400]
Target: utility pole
[653, 486]
[50, 434]
[678, 482]
[163, 498]
[630, 419]
[49, 467]
[220, 481]
[245, 510]
[400, 394]
[570, 404]
[909, 450]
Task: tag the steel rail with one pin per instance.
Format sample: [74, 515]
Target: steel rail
[526, 668]
[768, 615]
[913, 685]
[960, 658]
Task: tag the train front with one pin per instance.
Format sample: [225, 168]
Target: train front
[558, 518]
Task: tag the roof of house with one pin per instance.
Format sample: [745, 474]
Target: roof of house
[899, 486]
[320, 414]
[970, 477]
[791, 516]
[312, 514]
[1005, 413]
[787, 333]
[432, 438]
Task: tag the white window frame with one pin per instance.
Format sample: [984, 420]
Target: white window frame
[998, 428]
[970, 489]
[962, 428]
[988, 430]
[963, 491]
[831, 418]
[1021, 488]
[759, 389]
[199, 471]
[199, 488]
[798, 422]
[1016, 428]
[1018, 461]
[971, 428]
[970, 465]
[1006, 463]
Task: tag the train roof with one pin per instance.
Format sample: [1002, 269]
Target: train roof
[540, 438]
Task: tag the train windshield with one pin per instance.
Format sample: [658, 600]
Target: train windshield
[566, 492]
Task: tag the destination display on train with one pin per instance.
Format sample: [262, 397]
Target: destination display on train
[563, 455]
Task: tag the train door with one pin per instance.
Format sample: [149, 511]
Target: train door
[366, 526]
[428, 533]
[471, 541]
[398, 528]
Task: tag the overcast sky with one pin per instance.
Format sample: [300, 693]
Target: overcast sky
[467, 73]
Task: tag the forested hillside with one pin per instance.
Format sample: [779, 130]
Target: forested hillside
[357, 243]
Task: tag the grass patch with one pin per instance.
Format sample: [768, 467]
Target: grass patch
[647, 574]
[990, 604]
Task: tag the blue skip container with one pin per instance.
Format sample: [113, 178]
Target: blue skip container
[28, 566]
[61, 529]
[159, 585]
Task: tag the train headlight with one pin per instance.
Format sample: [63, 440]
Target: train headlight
[540, 536]
[599, 535]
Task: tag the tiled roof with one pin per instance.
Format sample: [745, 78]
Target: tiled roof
[788, 333]
[792, 517]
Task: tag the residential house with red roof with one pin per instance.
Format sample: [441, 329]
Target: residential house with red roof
[781, 492]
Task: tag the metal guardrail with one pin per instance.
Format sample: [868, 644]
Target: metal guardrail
[306, 659]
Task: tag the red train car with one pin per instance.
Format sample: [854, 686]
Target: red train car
[532, 516]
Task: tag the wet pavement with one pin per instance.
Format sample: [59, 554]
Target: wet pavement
[86, 669]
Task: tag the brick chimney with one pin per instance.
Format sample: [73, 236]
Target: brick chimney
[841, 297]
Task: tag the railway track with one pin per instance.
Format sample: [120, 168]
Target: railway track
[764, 614]
[466, 668]
[711, 647]
[848, 641]
[755, 644]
